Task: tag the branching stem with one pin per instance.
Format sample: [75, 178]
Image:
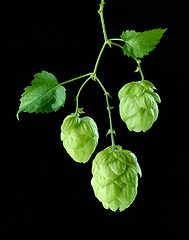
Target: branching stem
[93, 75]
[73, 79]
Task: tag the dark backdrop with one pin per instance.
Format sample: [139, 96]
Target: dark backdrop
[43, 190]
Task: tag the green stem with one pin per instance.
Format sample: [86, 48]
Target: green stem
[93, 75]
[110, 120]
[117, 45]
[109, 112]
[102, 49]
[116, 39]
[100, 11]
[139, 68]
[98, 59]
[103, 88]
[77, 97]
[73, 79]
[106, 41]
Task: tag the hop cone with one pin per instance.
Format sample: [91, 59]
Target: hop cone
[115, 178]
[79, 136]
[138, 105]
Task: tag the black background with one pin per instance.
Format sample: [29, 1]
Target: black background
[42, 189]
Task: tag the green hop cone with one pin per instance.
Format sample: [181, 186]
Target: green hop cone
[79, 136]
[115, 178]
[138, 105]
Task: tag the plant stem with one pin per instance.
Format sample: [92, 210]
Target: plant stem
[106, 41]
[73, 79]
[139, 68]
[103, 88]
[77, 97]
[117, 45]
[116, 39]
[98, 59]
[94, 77]
[100, 11]
[103, 47]
[110, 119]
[109, 112]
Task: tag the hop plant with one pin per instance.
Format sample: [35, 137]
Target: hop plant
[115, 177]
[79, 136]
[115, 171]
[138, 105]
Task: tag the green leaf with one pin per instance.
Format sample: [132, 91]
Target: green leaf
[139, 44]
[45, 95]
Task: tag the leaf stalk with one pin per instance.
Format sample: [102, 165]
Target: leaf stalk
[74, 79]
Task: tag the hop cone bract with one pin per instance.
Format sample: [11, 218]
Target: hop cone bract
[79, 136]
[115, 178]
[138, 105]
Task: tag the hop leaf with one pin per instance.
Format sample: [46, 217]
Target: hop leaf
[138, 107]
[139, 44]
[115, 178]
[45, 95]
[79, 136]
